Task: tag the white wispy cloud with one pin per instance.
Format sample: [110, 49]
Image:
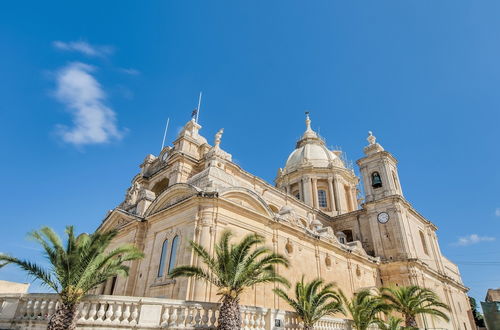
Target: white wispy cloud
[497, 212]
[130, 71]
[473, 239]
[93, 121]
[84, 48]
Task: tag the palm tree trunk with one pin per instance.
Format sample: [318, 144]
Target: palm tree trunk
[410, 321]
[64, 318]
[308, 327]
[229, 314]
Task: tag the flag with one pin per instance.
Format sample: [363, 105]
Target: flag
[194, 113]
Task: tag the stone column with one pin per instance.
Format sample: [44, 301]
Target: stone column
[315, 193]
[354, 199]
[338, 191]
[306, 184]
[333, 205]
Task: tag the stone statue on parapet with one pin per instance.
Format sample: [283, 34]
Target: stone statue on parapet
[218, 137]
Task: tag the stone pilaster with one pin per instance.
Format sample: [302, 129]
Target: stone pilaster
[333, 203]
[315, 193]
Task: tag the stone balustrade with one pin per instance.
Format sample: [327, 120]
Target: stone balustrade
[291, 321]
[119, 312]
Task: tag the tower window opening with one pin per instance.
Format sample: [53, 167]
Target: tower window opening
[322, 199]
[296, 194]
[424, 244]
[163, 257]
[173, 254]
[376, 180]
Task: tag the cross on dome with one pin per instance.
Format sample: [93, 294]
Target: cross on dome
[309, 133]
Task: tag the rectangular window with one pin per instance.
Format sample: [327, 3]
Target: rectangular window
[322, 199]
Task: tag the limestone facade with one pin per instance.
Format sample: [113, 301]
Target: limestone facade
[314, 214]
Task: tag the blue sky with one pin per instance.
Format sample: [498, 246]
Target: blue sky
[86, 87]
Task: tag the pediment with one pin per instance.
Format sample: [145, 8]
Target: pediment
[117, 219]
[172, 195]
[248, 199]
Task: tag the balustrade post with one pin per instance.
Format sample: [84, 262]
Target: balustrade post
[135, 314]
[118, 313]
[205, 318]
[165, 316]
[150, 315]
[101, 313]
[275, 319]
[126, 314]
[109, 312]
[197, 316]
[84, 311]
[12, 308]
[93, 311]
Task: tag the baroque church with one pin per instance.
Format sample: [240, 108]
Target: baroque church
[313, 214]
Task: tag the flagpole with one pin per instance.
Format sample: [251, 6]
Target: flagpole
[199, 106]
[165, 134]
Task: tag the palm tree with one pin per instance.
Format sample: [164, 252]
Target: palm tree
[232, 269]
[393, 323]
[413, 300]
[365, 308]
[76, 267]
[312, 301]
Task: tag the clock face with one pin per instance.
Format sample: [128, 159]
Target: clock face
[383, 217]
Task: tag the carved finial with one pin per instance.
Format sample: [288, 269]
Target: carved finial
[371, 138]
[308, 121]
[218, 137]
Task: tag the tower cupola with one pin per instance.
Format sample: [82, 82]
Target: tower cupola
[379, 171]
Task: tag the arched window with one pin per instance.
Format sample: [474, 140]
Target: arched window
[322, 198]
[173, 254]
[163, 257]
[376, 180]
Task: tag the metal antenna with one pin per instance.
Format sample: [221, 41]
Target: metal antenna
[165, 134]
[199, 106]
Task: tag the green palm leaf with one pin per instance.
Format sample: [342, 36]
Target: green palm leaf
[313, 300]
[413, 300]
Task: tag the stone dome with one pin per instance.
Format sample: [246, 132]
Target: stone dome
[311, 152]
[316, 155]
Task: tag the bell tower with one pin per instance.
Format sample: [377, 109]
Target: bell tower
[379, 171]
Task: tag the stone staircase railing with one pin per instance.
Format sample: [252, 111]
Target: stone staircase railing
[20, 311]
